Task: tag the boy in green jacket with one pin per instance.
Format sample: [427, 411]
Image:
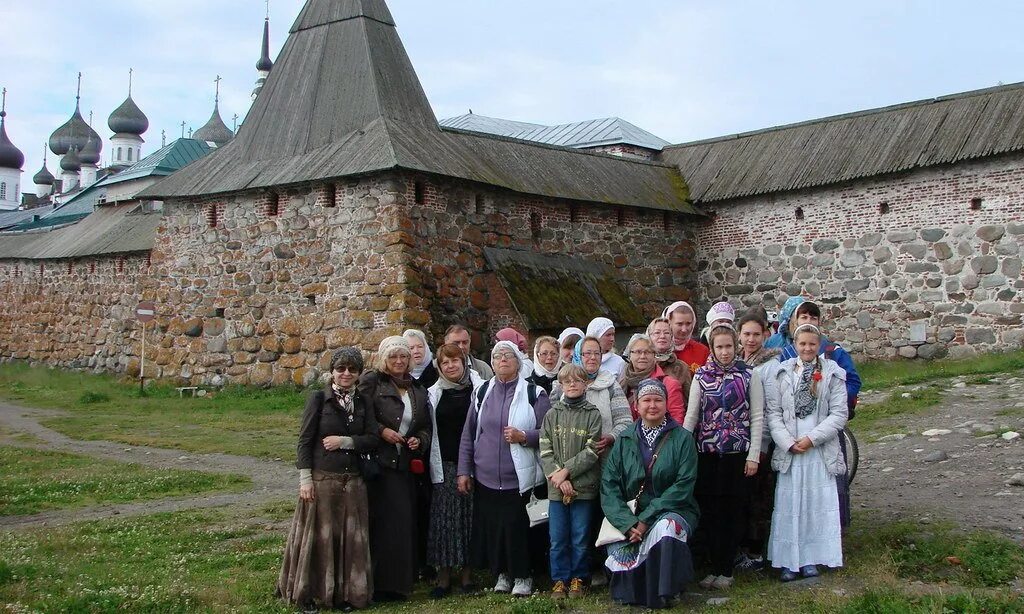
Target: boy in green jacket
[568, 455]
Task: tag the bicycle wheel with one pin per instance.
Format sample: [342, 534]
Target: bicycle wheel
[851, 450]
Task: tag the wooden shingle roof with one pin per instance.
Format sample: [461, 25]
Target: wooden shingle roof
[836, 149]
[343, 100]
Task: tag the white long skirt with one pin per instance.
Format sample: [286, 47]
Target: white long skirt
[805, 523]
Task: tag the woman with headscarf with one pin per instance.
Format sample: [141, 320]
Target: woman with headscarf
[451, 513]
[806, 412]
[720, 313]
[421, 361]
[683, 318]
[546, 362]
[753, 329]
[603, 330]
[567, 341]
[331, 522]
[660, 332]
[797, 312]
[513, 336]
[726, 413]
[643, 365]
[654, 463]
[499, 463]
[403, 418]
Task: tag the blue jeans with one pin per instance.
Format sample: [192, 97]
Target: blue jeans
[569, 527]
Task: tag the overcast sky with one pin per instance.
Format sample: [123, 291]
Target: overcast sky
[681, 69]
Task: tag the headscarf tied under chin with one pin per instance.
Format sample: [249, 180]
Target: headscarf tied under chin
[577, 358]
[417, 370]
[674, 307]
[788, 309]
[598, 327]
[572, 330]
[539, 369]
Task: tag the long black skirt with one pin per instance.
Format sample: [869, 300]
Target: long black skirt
[393, 531]
[501, 531]
[654, 572]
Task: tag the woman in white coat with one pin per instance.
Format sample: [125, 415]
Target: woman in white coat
[806, 412]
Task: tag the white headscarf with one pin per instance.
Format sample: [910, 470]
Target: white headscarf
[598, 327]
[417, 370]
[674, 307]
[511, 347]
[572, 330]
[539, 368]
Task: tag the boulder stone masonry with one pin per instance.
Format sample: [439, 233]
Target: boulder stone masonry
[260, 288]
[942, 246]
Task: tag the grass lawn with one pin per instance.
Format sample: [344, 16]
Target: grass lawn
[34, 481]
[246, 421]
[222, 560]
[884, 374]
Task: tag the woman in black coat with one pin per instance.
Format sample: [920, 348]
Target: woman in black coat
[331, 521]
[400, 408]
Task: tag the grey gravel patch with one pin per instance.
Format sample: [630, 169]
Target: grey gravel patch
[935, 457]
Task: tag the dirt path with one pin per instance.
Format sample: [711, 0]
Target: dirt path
[961, 470]
[271, 480]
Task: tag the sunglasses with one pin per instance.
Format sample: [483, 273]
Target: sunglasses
[348, 369]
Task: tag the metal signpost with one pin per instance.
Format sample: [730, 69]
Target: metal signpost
[145, 312]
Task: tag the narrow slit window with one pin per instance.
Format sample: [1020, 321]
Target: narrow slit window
[274, 206]
[536, 222]
[479, 204]
[883, 208]
[799, 213]
[212, 216]
[419, 192]
[976, 203]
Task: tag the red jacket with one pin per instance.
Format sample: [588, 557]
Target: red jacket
[694, 353]
[676, 402]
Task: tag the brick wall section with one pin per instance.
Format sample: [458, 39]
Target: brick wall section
[654, 266]
[930, 259]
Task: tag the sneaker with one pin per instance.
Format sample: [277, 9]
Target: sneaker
[504, 584]
[748, 563]
[788, 575]
[809, 571]
[576, 587]
[707, 582]
[722, 583]
[558, 590]
[523, 587]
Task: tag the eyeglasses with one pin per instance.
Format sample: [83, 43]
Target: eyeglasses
[642, 352]
[591, 354]
[504, 356]
[548, 354]
[347, 369]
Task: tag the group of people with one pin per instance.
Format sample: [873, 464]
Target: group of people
[581, 463]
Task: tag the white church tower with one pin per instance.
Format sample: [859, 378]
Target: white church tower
[11, 161]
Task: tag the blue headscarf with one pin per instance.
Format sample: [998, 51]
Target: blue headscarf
[781, 338]
[577, 358]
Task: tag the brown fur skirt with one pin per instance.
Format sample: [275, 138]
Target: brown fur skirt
[327, 557]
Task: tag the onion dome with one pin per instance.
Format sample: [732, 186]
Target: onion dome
[128, 119]
[90, 154]
[43, 177]
[215, 130]
[265, 63]
[74, 133]
[10, 156]
[70, 161]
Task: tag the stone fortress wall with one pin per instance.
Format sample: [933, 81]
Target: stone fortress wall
[259, 288]
[924, 264]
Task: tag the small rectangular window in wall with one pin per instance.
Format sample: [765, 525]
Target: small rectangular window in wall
[330, 195]
[212, 215]
[92, 268]
[71, 266]
[536, 223]
[574, 213]
[120, 264]
[976, 203]
[273, 205]
[478, 204]
[419, 190]
[666, 221]
[620, 216]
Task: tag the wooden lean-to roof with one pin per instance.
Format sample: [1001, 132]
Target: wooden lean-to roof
[836, 149]
[343, 100]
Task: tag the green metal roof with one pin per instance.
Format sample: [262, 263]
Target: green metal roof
[164, 161]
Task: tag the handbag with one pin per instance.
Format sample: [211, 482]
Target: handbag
[608, 533]
[537, 510]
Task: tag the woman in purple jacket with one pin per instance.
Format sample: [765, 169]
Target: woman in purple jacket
[499, 463]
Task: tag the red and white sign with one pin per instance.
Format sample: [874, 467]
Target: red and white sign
[146, 311]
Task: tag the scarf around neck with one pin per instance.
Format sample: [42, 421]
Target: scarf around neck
[446, 384]
[804, 399]
[633, 378]
[762, 356]
[650, 434]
